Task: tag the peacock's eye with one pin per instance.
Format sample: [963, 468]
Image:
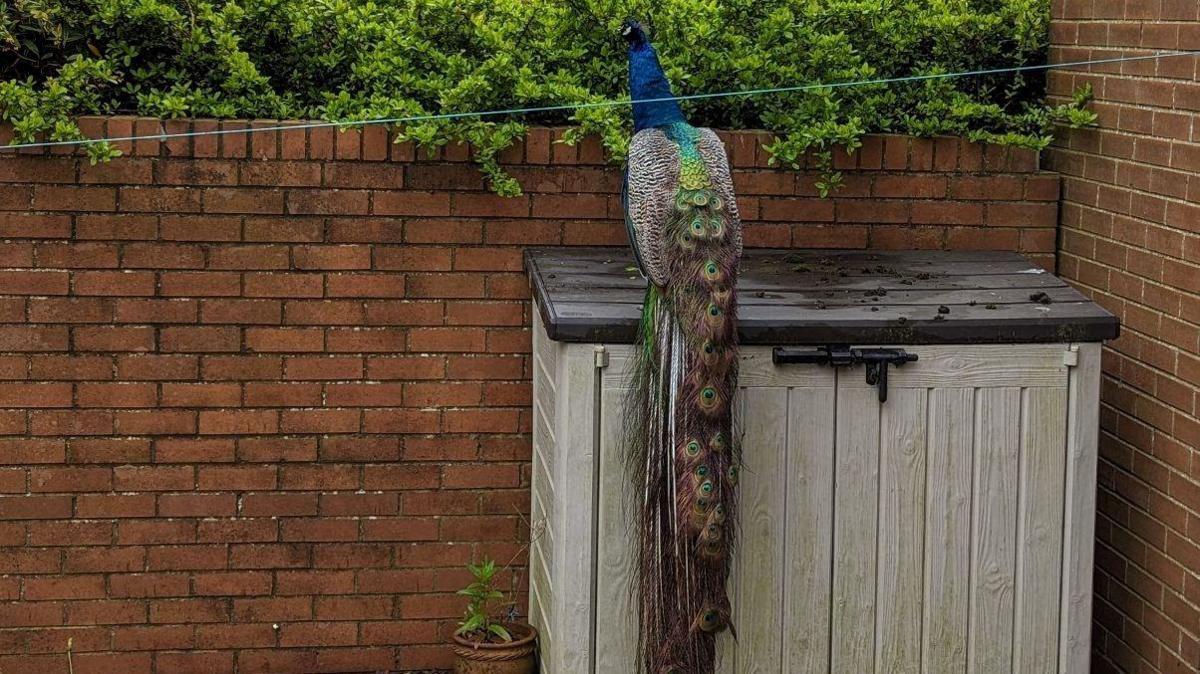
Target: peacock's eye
[693, 448]
[714, 310]
[720, 509]
[706, 487]
[709, 348]
[702, 471]
[709, 393]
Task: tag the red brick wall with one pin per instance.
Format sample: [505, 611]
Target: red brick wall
[1131, 238]
[264, 396]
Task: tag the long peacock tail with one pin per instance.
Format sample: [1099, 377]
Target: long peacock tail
[679, 435]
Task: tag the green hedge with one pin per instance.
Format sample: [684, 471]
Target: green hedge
[358, 59]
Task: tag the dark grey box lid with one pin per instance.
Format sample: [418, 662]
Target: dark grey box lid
[834, 297]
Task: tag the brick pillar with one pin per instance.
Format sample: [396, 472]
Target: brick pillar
[1130, 237]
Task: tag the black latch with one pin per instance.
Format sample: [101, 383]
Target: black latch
[876, 360]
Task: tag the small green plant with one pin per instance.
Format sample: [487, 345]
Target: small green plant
[478, 623]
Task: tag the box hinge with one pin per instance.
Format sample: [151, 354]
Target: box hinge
[1071, 356]
[601, 357]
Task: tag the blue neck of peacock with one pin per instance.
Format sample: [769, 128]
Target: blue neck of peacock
[648, 81]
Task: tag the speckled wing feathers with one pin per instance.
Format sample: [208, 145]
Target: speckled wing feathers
[653, 178]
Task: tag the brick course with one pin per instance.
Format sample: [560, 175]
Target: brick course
[1131, 239]
[263, 396]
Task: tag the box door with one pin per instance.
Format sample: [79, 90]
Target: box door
[922, 534]
[969, 468]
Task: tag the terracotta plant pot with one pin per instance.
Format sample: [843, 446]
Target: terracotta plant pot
[515, 657]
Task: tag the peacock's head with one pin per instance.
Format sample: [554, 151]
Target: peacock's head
[633, 33]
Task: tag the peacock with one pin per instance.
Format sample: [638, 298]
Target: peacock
[680, 446]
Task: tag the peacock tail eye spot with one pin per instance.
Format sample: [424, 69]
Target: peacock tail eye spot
[712, 267]
[693, 448]
[706, 487]
[699, 199]
[720, 509]
[717, 203]
[702, 471]
[720, 292]
[717, 443]
[714, 310]
[709, 619]
[709, 348]
[701, 504]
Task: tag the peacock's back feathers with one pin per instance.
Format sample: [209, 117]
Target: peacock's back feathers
[670, 170]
